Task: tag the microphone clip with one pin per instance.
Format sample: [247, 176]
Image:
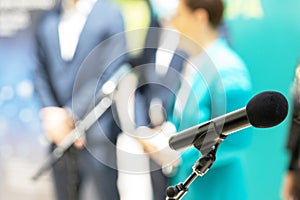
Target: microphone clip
[204, 163]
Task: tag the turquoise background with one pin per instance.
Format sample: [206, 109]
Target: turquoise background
[270, 46]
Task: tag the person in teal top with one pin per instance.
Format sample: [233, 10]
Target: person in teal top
[219, 83]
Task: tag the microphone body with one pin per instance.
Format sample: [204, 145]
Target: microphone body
[264, 110]
[223, 125]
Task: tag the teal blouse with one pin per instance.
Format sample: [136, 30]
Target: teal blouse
[221, 84]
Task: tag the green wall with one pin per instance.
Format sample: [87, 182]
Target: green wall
[266, 33]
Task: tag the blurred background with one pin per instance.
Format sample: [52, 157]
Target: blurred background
[264, 32]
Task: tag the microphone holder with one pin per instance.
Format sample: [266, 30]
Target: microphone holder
[200, 168]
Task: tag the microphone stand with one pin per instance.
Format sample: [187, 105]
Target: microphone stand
[200, 168]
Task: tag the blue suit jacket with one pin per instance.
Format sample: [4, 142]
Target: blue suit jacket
[74, 83]
[153, 85]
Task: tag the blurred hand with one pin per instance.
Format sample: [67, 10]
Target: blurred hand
[287, 192]
[57, 123]
[155, 142]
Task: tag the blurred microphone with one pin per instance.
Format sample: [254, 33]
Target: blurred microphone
[267, 109]
[102, 102]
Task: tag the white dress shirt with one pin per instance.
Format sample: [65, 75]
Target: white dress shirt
[71, 25]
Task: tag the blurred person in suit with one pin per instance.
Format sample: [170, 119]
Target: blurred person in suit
[75, 58]
[291, 182]
[159, 82]
[157, 70]
[217, 81]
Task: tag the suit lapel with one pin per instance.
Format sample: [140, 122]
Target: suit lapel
[84, 35]
[52, 37]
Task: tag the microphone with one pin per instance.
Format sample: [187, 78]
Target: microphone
[104, 100]
[266, 109]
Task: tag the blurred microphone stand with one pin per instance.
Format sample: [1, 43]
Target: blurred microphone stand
[106, 98]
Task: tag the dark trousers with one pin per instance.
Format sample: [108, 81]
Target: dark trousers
[79, 176]
[159, 181]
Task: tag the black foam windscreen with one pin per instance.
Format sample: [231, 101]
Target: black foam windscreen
[267, 109]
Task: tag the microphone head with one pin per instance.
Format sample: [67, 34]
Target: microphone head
[267, 109]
